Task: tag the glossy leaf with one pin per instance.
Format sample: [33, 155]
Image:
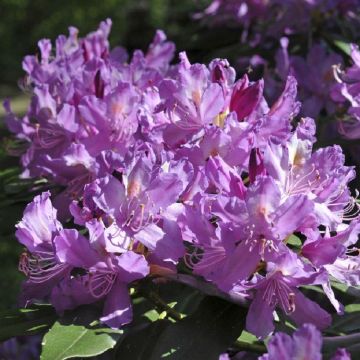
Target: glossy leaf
[139, 341]
[294, 241]
[343, 46]
[348, 322]
[70, 341]
[204, 335]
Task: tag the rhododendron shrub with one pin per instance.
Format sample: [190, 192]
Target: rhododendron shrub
[181, 205]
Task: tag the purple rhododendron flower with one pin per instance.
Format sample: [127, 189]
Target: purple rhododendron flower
[108, 278]
[305, 343]
[347, 91]
[278, 289]
[54, 252]
[36, 231]
[314, 74]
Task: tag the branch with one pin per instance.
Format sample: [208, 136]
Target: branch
[334, 342]
[160, 303]
[209, 288]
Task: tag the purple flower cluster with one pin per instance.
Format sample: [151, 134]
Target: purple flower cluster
[278, 17]
[295, 35]
[87, 106]
[166, 164]
[314, 74]
[347, 93]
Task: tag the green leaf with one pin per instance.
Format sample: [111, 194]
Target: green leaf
[247, 337]
[348, 293]
[352, 308]
[203, 335]
[343, 46]
[249, 342]
[26, 321]
[69, 341]
[294, 241]
[354, 351]
[8, 173]
[348, 322]
[139, 340]
[152, 315]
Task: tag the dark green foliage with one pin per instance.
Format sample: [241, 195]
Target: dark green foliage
[24, 22]
[33, 320]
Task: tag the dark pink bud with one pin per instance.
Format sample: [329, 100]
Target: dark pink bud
[245, 97]
[256, 164]
[218, 74]
[85, 52]
[99, 85]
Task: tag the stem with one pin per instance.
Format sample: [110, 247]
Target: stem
[334, 342]
[160, 303]
[209, 289]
